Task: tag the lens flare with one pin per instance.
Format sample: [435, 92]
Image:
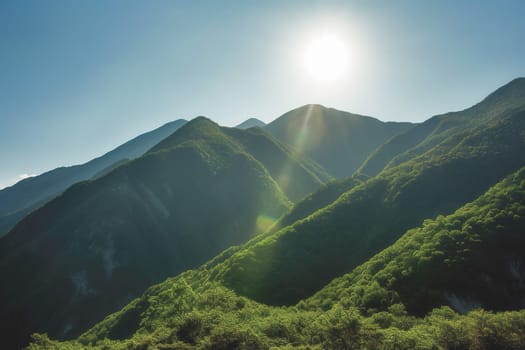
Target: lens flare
[263, 223]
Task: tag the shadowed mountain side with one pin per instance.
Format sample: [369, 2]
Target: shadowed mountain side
[295, 175]
[319, 199]
[100, 244]
[338, 141]
[18, 200]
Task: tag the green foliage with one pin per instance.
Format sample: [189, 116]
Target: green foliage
[427, 267]
[470, 255]
[369, 308]
[294, 262]
[257, 326]
[103, 242]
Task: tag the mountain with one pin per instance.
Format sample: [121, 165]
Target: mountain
[338, 141]
[251, 123]
[450, 215]
[299, 259]
[101, 243]
[426, 135]
[471, 258]
[18, 200]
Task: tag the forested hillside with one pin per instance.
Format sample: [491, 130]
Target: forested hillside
[430, 133]
[100, 244]
[471, 258]
[427, 253]
[20, 199]
[299, 259]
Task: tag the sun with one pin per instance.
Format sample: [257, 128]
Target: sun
[326, 58]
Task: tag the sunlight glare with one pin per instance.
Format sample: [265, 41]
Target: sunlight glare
[326, 58]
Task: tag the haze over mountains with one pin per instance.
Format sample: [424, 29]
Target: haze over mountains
[337, 140]
[18, 200]
[359, 228]
[102, 242]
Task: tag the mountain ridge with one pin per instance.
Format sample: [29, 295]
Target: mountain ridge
[339, 141]
[18, 200]
[104, 241]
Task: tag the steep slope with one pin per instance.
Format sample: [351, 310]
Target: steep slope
[365, 309]
[101, 243]
[472, 258]
[18, 200]
[296, 261]
[319, 199]
[338, 141]
[295, 175]
[433, 131]
[251, 123]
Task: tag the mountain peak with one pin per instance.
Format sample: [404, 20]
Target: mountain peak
[197, 128]
[511, 94]
[320, 133]
[250, 123]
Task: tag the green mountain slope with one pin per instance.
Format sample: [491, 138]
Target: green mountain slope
[476, 252]
[101, 243]
[426, 135]
[216, 306]
[18, 200]
[299, 259]
[338, 141]
[472, 258]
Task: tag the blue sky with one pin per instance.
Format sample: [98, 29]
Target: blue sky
[78, 78]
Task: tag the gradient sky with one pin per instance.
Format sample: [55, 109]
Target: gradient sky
[78, 78]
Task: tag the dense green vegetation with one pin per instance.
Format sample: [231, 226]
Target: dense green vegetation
[325, 195]
[338, 141]
[103, 242]
[474, 257]
[370, 308]
[20, 199]
[425, 251]
[299, 259]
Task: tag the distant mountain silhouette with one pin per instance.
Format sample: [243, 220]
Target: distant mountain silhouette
[250, 123]
[339, 141]
[18, 200]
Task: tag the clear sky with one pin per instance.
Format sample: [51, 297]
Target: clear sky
[78, 78]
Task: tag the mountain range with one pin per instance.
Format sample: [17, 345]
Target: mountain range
[322, 229]
[18, 200]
